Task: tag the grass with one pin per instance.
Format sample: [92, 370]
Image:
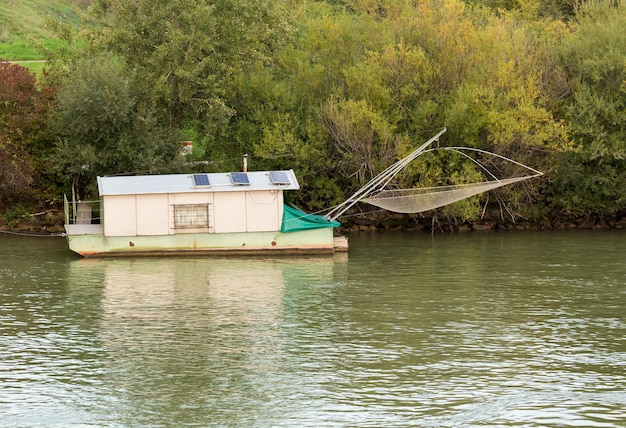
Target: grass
[22, 21]
[25, 49]
[36, 67]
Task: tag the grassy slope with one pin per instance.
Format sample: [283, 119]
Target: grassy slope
[22, 20]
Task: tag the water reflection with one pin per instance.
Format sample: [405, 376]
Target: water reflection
[406, 330]
[191, 340]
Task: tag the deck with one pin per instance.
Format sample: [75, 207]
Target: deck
[84, 229]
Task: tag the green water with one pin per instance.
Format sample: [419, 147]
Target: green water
[481, 329]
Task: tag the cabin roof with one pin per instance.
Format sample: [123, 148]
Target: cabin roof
[187, 183]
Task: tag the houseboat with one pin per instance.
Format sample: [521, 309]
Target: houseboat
[197, 213]
[246, 212]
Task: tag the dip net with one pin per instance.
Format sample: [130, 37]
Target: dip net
[427, 198]
[418, 200]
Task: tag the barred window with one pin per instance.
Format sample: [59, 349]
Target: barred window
[191, 215]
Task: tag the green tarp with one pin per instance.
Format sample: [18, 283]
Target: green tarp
[295, 220]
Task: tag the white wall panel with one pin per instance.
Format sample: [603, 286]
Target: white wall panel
[152, 214]
[120, 215]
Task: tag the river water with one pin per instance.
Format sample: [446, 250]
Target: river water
[511, 329]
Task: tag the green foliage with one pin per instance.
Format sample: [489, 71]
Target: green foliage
[286, 143]
[14, 214]
[593, 57]
[379, 78]
[107, 125]
[16, 173]
[581, 187]
[530, 9]
[190, 51]
[338, 90]
[362, 137]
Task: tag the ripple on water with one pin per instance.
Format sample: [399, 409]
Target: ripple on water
[406, 339]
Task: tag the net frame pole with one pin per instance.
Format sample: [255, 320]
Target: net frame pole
[478, 187]
[459, 150]
[381, 179]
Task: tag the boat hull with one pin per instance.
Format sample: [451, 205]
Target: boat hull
[307, 241]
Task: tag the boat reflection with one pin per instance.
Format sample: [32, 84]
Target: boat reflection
[218, 324]
[214, 290]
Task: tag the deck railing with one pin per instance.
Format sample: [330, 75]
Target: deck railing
[81, 212]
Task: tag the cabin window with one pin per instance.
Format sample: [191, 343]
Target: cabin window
[191, 215]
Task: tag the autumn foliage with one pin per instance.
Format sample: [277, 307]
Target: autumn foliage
[23, 114]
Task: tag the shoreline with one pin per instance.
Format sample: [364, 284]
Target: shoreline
[51, 223]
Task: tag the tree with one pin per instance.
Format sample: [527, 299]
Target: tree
[362, 136]
[23, 108]
[593, 59]
[107, 124]
[375, 79]
[191, 51]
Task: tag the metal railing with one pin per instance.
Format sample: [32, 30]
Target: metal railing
[81, 212]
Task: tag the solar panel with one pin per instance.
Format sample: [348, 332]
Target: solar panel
[201, 180]
[279, 177]
[239, 178]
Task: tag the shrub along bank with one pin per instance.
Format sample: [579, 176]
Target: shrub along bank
[337, 91]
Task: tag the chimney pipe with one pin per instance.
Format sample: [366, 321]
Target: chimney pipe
[245, 163]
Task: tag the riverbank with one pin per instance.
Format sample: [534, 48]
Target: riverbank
[50, 222]
[429, 223]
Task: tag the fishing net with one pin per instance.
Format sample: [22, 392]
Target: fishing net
[423, 199]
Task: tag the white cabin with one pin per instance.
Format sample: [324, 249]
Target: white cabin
[194, 203]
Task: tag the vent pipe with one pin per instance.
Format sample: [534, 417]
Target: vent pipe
[245, 163]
